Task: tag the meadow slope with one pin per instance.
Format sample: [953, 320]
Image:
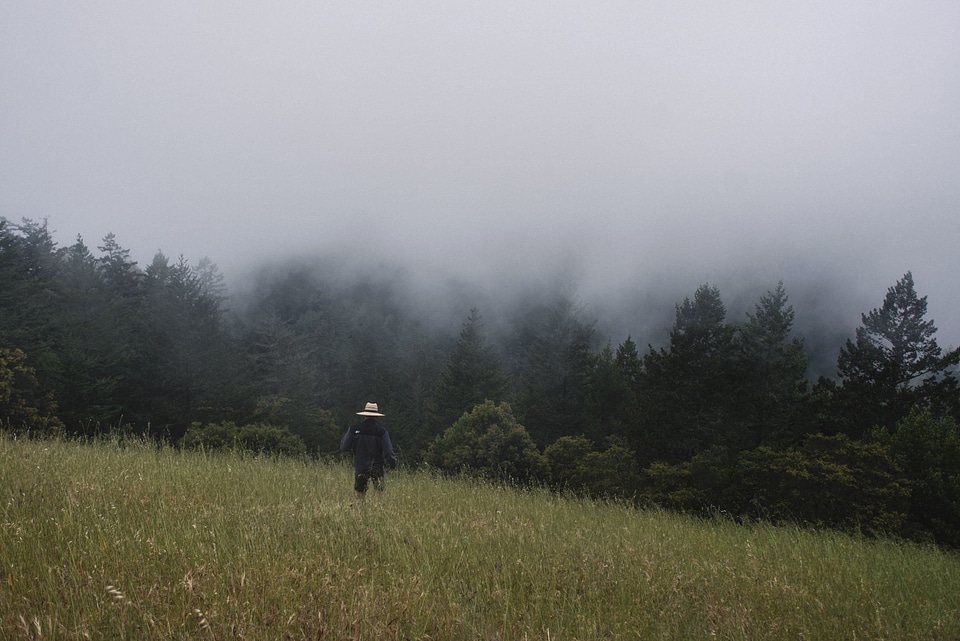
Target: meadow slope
[130, 541]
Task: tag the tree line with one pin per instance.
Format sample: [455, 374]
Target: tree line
[721, 418]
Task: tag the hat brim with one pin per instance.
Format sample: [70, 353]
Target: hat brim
[370, 414]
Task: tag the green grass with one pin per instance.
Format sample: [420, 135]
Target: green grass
[112, 541]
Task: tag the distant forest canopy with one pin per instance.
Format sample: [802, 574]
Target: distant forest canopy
[722, 415]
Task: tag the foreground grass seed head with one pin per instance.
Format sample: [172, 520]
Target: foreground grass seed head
[239, 547]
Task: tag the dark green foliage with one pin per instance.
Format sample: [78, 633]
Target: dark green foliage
[629, 363]
[254, 438]
[688, 392]
[830, 481]
[566, 460]
[488, 442]
[112, 344]
[554, 370]
[928, 451]
[316, 427]
[92, 360]
[612, 472]
[609, 405]
[184, 348]
[575, 465]
[473, 374]
[29, 272]
[23, 405]
[772, 382]
[668, 485]
[895, 366]
[722, 385]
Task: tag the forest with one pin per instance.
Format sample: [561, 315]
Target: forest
[721, 419]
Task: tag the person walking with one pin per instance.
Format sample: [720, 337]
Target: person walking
[372, 450]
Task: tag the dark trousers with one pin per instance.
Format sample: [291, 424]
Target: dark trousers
[374, 475]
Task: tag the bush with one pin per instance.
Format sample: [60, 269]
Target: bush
[829, 481]
[316, 427]
[928, 450]
[849, 483]
[575, 465]
[566, 460]
[256, 438]
[23, 406]
[488, 441]
[667, 485]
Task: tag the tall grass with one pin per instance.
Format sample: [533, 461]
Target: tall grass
[121, 541]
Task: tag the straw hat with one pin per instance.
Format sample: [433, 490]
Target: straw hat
[370, 410]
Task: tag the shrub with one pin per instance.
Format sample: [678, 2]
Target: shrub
[23, 406]
[566, 460]
[316, 427]
[612, 473]
[667, 485]
[255, 438]
[830, 481]
[928, 450]
[575, 465]
[488, 441]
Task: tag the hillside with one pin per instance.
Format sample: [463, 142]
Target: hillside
[120, 540]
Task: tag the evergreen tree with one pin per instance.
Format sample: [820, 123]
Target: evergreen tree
[281, 359]
[773, 373]
[472, 375]
[125, 283]
[28, 293]
[285, 378]
[125, 280]
[688, 389]
[90, 354]
[629, 363]
[609, 402]
[211, 281]
[127, 327]
[17, 290]
[554, 372]
[185, 348]
[895, 366]
[630, 366]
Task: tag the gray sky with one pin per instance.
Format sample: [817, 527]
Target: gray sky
[627, 144]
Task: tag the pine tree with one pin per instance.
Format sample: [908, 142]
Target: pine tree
[688, 389]
[184, 344]
[472, 375]
[895, 365]
[609, 401]
[629, 363]
[554, 373]
[773, 373]
[91, 355]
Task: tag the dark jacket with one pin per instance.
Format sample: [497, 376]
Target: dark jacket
[370, 444]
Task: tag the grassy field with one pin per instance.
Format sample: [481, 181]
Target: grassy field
[134, 542]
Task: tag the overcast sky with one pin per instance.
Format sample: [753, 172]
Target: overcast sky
[626, 144]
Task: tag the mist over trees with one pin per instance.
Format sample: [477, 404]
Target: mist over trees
[721, 416]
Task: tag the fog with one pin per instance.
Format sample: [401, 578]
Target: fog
[630, 150]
